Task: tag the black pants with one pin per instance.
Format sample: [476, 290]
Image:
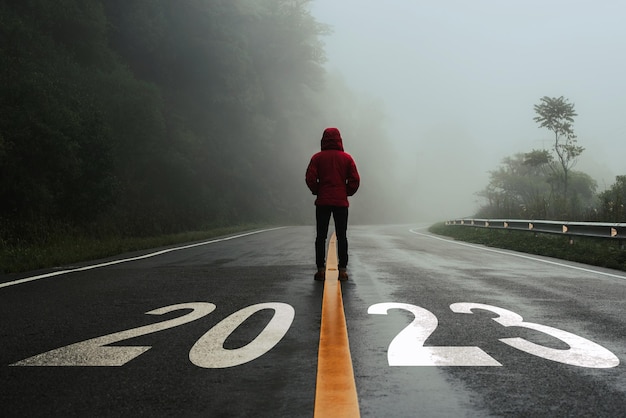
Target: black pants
[322, 217]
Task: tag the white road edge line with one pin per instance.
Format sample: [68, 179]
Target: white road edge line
[124, 260]
[616, 276]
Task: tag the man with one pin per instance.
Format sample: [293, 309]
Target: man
[332, 176]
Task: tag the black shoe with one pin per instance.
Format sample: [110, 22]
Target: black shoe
[320, 276]
[343, 275]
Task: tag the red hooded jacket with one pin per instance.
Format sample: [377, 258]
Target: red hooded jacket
[332, 175]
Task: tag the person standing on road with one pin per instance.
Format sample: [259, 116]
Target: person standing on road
[332, 176]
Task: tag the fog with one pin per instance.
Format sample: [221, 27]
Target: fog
[457, 81]
[205, 116]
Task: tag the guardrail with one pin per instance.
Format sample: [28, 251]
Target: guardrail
[615, 231]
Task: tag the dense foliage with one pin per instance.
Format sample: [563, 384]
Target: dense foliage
[140, 117]
[612, 206]
[520, 190]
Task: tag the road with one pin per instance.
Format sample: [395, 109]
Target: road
[231, 327]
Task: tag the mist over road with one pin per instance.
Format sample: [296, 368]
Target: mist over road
[232, 329]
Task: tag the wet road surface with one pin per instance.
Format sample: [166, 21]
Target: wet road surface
[436, 328]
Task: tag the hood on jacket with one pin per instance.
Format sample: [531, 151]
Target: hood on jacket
[331, 139]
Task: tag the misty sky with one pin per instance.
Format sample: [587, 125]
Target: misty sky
[459, 79]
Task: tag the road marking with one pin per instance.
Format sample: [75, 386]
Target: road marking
[335, 393]
[97, 352]
[110, 263]
[407, 348]
[452, 241]
[208, 352]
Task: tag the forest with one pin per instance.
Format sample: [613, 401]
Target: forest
[144, 117]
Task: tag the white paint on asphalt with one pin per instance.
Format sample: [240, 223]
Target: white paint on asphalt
[407, 348]
[581, 351]
[527, 257]
[96, 352]
[209, 352]
[124, 260]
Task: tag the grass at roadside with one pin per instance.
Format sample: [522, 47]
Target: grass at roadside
[593, 251]
[65, 250]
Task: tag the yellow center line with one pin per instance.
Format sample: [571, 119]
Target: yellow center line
[335, 394]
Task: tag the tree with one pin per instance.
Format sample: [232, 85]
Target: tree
[582, 195]
[517, 189]
[613, 201]
[522, 187]
[56, 155]
[557, 115]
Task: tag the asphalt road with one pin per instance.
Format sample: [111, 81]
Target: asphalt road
[436, 328]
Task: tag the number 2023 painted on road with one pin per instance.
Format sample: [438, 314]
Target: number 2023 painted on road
[407, 348]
